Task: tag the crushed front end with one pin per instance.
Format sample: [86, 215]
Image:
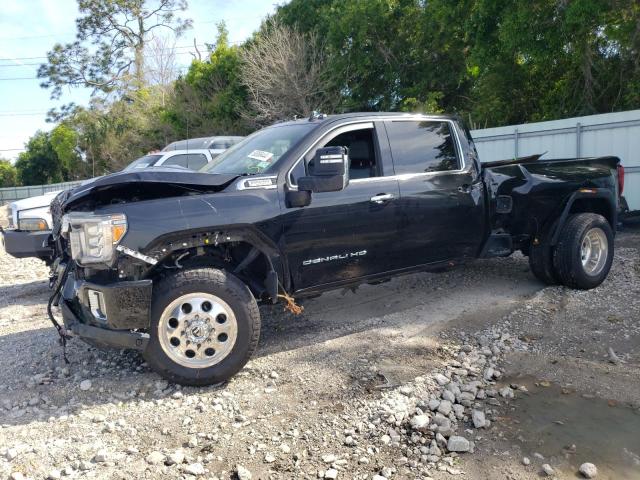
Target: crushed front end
[96, 304]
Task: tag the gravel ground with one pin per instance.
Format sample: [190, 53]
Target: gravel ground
[421, 377]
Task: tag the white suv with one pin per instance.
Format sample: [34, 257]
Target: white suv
[191, 159]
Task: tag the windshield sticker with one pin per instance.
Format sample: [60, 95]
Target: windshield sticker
[264, 157]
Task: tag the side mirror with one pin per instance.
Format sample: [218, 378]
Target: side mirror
[328, 171]
[299, 198]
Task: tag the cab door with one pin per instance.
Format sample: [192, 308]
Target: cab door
[441, 197]
[347, 234]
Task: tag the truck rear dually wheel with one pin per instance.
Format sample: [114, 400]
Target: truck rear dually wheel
[584, 253]
[541, 259]
[205, 326]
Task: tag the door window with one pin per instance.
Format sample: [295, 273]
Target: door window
[420, 147]
[361, 146]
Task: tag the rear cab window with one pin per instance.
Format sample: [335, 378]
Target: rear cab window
[422, 146]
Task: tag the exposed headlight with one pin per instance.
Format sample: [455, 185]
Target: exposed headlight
[93, 238]
[32, 224]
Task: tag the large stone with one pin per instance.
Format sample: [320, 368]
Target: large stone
[441, 379]
[243, 473]
[466, 398]
[155, 458]
[457, 443]
[420, 422]
[195, 469]
[444, 407]
[479, 420]
[331, 474]
[176, 458]
[548, 470]
[458, 411]
[588, 470]
[449, 396]
[506, 392]
[101, 456]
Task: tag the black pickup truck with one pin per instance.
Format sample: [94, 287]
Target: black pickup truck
[175, 263]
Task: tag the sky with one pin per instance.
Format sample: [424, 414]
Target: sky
[29, 28]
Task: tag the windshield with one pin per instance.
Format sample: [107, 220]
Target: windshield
[258, 152]
[143, 162]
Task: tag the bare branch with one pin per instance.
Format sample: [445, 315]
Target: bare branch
[284, 72]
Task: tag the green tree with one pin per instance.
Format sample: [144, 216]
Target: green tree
[64, 141]
[211, 98]
[108, 52]
[8, 174]
[39, 163]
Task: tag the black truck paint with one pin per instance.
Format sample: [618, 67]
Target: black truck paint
[376, 228]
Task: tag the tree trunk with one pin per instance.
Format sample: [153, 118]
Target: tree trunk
[139, 55]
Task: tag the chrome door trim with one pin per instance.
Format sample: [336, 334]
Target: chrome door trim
[358, 125]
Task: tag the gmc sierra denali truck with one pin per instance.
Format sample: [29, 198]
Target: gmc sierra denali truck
[175, 263]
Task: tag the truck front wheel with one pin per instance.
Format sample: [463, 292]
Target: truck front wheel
[584, 252]
[205, 326]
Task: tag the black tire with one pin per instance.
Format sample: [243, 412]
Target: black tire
[228, 288]
[568, 255]
[541, 260]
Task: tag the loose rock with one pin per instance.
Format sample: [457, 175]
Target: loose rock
[588, 470]
[331, 474]
[243, 473]
[155, 458]
[478, 418]
[458, 444]
[548, 470]
[195, 469]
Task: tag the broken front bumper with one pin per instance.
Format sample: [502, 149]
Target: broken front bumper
[26, 244]
[107, 313]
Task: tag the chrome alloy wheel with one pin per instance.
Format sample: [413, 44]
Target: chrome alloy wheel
[197, 330]
[594, 251]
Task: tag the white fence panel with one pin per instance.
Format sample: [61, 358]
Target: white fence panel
[12, 194]
[596, 135]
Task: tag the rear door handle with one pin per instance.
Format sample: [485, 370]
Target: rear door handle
[382, 198]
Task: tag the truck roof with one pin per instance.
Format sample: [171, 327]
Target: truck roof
[321, 118]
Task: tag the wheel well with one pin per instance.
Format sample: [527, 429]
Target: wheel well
[242, 259]
[593, 205]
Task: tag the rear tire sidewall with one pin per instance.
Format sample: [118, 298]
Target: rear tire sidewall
[235, 294]
[541, 258]
[576, 276]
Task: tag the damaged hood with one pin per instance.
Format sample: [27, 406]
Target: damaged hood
[146, 184]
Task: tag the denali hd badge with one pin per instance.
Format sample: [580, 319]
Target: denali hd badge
[344, 256]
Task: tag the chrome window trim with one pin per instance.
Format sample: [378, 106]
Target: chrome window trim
[403, 176]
